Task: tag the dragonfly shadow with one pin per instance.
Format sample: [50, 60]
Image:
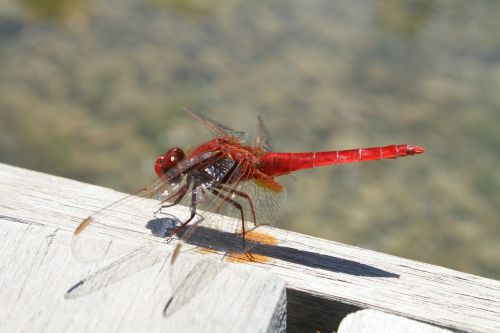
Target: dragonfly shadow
[322, 261]
[227, 242]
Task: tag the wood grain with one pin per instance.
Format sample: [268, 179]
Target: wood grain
[338, 277]
[37, 268]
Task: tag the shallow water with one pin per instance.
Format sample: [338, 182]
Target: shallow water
[93, 90]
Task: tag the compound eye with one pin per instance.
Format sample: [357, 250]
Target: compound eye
[166, 162]
[174, 156]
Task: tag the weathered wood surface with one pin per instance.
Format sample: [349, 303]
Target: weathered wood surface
[37, 268]
[372, 321]
[325, 279]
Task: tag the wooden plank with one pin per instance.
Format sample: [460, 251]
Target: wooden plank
[37, 269]
[324, 270]
[372, 321]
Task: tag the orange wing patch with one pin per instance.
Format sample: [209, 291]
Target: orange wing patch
[268, 183]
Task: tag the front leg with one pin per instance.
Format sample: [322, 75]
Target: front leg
[193, 207]
[178, 195]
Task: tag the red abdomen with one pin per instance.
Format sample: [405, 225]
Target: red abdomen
[276, 164]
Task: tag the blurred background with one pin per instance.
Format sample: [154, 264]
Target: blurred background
[94, 89]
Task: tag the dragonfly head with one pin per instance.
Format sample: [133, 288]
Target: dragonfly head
[169, 160]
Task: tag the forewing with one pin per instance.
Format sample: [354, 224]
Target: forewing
[122, 226]
[118, 228]
[218, 129]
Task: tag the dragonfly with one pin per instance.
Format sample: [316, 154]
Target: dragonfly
[223, 177]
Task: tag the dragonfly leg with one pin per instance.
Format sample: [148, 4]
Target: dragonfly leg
[178, 195]
[238, 206]
[193, 208]
[243, 195]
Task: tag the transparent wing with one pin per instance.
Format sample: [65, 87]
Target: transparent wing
[116, 229]
[218, 129]
[262, 139]
[122, 226]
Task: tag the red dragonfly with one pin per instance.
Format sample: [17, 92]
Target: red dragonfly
[221, 177]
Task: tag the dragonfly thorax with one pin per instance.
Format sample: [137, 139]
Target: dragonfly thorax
[169, 160]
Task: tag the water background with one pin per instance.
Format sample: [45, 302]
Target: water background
[94, 90]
